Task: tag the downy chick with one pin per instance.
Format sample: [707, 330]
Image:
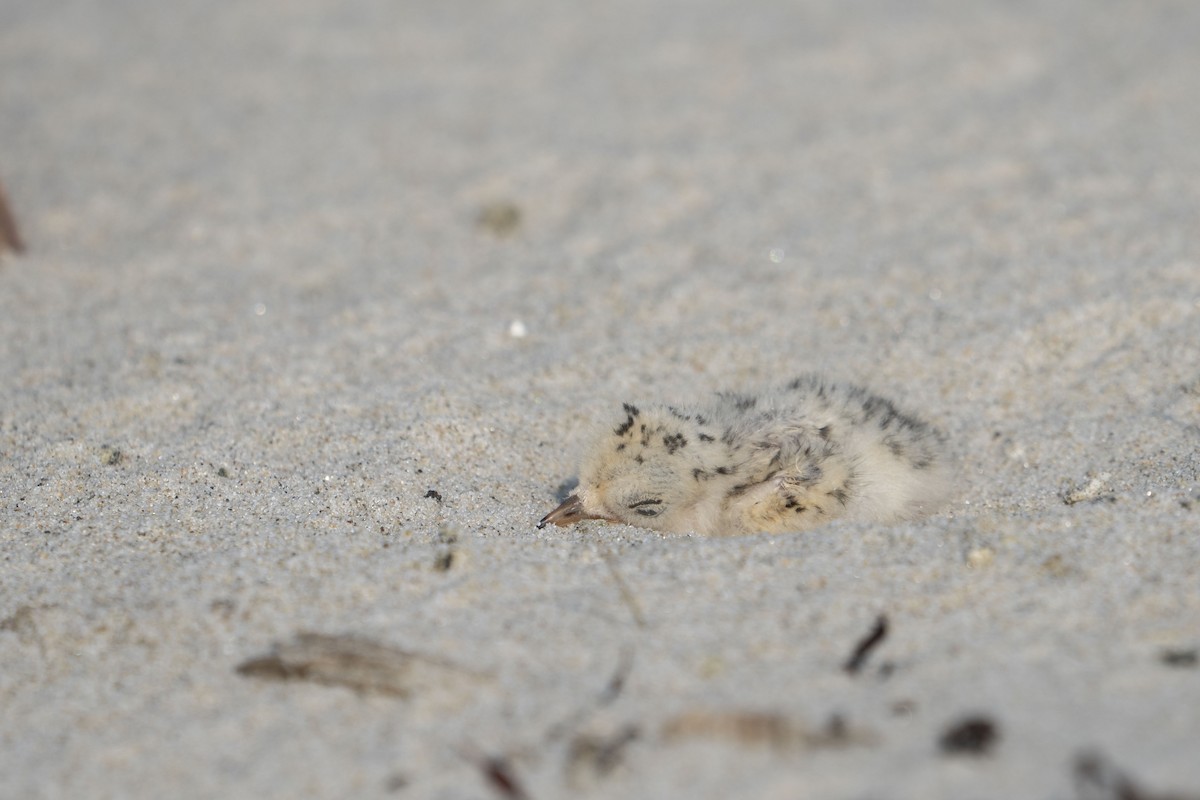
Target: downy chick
[783, 460]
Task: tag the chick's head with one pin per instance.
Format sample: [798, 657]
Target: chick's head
[653, 470]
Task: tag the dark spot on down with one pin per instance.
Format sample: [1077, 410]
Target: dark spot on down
[745, 403]
[638, 458]
[631, 409]
[802, 381]
[674, 443]
[704, 437]
[724, 470]
[812, 473]
[624, 427]
[840, 495]
[699, 474]
[871, 404]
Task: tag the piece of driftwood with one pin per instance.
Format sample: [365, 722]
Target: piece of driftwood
[364, 665]
[10, 237]
[763, 728]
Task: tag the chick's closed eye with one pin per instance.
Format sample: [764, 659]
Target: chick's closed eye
[646, 508]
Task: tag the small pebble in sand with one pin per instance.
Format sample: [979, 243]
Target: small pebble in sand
[782, 460]
[500, 218]
[974, 735]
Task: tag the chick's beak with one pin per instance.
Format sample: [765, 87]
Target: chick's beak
[570, 512]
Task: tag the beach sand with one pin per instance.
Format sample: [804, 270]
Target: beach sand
[322, 300]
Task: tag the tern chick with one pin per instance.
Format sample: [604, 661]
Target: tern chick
[783, 460]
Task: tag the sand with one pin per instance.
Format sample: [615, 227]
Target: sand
[321, 301]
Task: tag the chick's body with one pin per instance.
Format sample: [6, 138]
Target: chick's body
[782, 460]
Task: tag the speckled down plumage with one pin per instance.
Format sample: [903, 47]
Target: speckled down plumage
[785, 459]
